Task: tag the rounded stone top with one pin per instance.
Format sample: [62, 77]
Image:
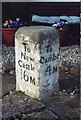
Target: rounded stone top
[37, 33]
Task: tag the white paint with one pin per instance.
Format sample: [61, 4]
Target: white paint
[41, 71]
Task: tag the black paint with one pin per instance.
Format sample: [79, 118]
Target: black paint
[26, 77]
[26, 48]
[52, 57]
[25, 57]
[48, 48]
[26, 66]
[29, 66]
[51, 69]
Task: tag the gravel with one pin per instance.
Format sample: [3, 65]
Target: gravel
[69, 56]
[8, 54]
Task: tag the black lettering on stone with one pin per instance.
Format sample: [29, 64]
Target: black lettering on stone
[49, 48]
[26, 77]
[24, 46]
[23, 55]
[24, 66]
[54, 57]
[32, 68]
[48, 70]
[51, 57]
[32, 80]
[20, 63]
[54, 69]
[42, 60]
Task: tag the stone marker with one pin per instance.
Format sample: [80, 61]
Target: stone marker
[36, 50]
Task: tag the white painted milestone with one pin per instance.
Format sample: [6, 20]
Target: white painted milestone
[36, 53]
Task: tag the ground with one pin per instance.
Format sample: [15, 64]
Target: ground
[61, 106]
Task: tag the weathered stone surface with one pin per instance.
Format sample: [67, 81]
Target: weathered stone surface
[18, 103]
[66, 107]
[37, 49]
[46, 114]
[19, 106]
